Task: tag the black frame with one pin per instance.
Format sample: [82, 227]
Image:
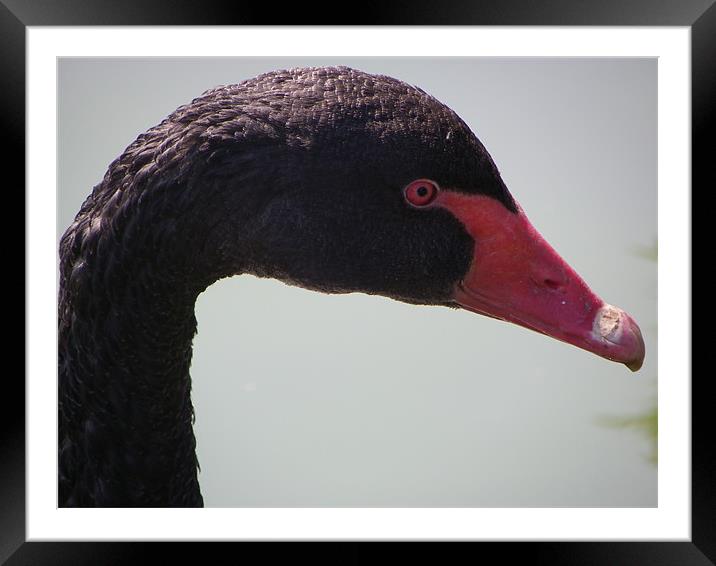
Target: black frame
[699, 15]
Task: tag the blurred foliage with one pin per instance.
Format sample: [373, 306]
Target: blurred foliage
[648, 252]
[647, 424]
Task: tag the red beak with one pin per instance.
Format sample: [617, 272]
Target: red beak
[518, 277]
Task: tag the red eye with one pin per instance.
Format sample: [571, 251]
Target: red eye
[421, 192]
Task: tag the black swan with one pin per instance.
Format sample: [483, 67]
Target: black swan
[331, 179]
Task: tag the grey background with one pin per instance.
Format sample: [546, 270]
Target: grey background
[305, 399]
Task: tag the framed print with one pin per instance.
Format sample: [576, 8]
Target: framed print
[350, 416]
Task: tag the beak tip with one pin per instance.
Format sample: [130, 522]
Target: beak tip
[622, 332]
[635, 365]
[640, 350]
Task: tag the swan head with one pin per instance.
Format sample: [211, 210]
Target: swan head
[341, 181]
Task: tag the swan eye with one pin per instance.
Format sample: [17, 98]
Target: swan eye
[421, 192]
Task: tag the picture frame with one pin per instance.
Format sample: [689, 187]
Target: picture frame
[702, 22]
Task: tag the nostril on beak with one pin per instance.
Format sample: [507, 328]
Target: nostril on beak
[549, 277]
[552, 284]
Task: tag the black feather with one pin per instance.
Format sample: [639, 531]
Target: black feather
[296, 175]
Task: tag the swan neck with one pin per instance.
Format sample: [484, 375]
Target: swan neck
[126, 416]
